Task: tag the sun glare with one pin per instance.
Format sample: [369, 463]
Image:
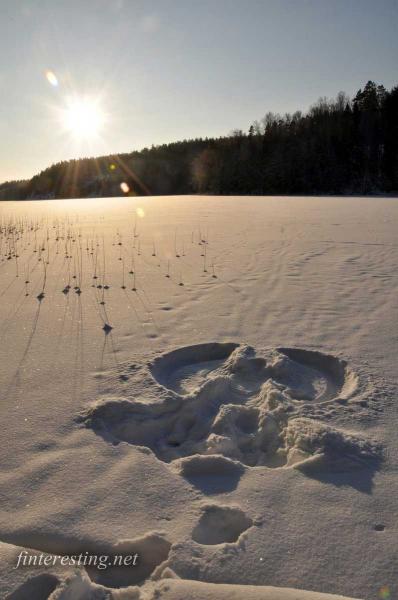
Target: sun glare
[83, 117]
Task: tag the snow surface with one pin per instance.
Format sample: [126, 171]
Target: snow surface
[207, 381]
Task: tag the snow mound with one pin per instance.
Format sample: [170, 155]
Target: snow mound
[329, 448]
[179, 589]
[79, 587]
[229, 401]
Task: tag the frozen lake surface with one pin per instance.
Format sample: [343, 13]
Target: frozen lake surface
[210, 379]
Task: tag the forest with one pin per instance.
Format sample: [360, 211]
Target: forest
[340, 146]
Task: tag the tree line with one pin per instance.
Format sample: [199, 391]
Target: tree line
[340, 146]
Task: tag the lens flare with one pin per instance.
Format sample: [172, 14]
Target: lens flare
[124, 187]
[384, 593]
[51, 78]
[140, 212]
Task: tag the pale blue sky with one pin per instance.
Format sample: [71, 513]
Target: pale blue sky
[171, 69]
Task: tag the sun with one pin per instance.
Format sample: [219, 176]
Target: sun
[83, 117]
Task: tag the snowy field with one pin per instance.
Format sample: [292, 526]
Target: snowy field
[207, 382]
